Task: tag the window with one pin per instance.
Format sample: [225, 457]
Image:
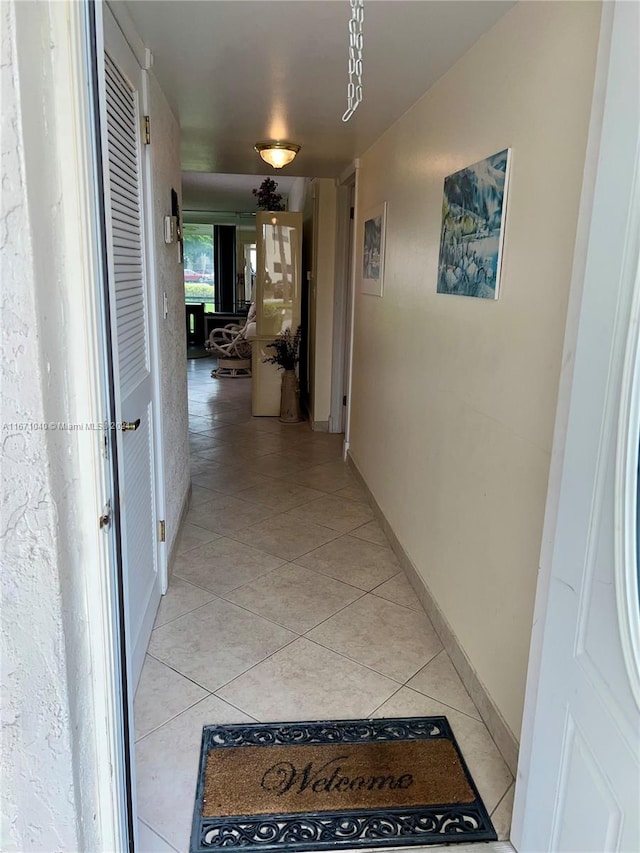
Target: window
[199, 283]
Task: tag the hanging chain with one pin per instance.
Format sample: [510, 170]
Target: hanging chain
[354, 89]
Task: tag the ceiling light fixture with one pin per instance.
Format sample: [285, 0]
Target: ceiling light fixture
[276, 153]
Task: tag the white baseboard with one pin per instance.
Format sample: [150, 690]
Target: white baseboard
[501, 733]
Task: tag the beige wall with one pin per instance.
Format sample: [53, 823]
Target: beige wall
[165, 158]
[454, 398]
[321, 299]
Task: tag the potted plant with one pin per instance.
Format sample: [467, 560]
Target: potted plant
[287, 356]
[267, 197]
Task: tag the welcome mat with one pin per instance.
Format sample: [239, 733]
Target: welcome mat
[336, 784]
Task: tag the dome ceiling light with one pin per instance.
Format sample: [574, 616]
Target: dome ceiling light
[277, 153]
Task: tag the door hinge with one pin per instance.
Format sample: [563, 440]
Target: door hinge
[162, 531]
[147, 130]
[351, 213]
[344, 400]
[104, 522]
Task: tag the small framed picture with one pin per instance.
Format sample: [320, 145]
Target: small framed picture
[373, 240]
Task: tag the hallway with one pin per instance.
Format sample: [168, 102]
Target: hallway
[285, 603]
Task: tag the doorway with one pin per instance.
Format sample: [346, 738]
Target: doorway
[343, 304]
[287, 519]
[271, 453]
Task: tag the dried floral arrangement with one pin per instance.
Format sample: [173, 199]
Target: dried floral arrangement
[267, 197]
[287, 349]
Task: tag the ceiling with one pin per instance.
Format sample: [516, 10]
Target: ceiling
[238, 71]
[226, 193]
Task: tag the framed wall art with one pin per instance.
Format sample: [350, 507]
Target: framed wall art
[373, 240]
[472, 234]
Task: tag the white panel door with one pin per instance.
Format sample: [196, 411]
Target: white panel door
[130, 318]
[582, 793]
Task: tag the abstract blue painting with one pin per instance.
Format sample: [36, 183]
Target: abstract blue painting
[473, 213]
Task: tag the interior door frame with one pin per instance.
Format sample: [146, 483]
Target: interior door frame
[349, 340]
[345, 207]
[156, 316]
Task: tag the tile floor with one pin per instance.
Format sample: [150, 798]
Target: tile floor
[285, 603]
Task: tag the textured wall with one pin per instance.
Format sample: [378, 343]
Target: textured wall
[165, 158]
[454, 398]
[38, 792]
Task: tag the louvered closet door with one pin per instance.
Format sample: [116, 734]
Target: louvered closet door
[131, 344]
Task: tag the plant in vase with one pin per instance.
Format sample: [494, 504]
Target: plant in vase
[267, 197]
[287, 356]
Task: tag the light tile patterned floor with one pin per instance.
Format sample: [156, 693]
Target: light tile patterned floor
[286, 603]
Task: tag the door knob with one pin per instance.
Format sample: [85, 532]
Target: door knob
[131, 426]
